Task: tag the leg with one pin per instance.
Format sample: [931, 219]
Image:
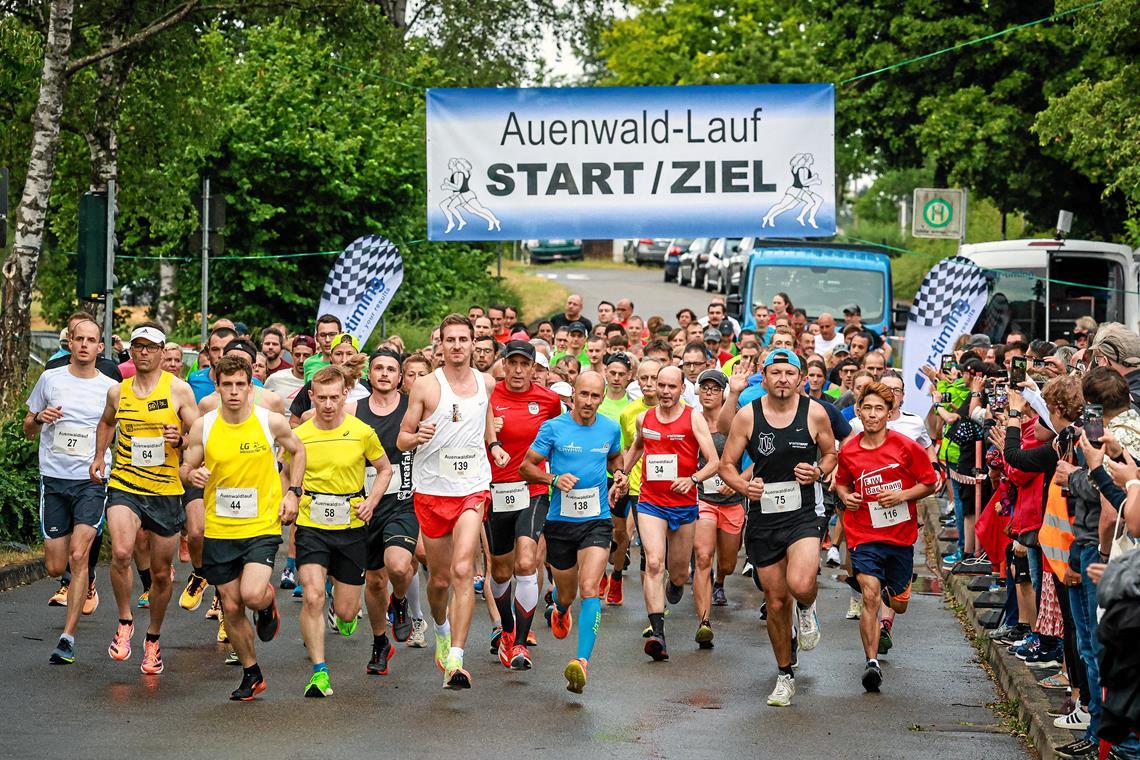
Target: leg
[704, 542]
[803, 569]
[869, 621]
[680, 553]
[774, 580]
[465, 537]
[526, 586]
[376, 598]
[123, 526]
[313, 610]
[56, 556]
[162, 550]
[78, 550]
[652, 531]
[401, 568]
[238, 629]
[727, 548]
[437, 552]
[195, 527]
[346, 599]
[591, 564]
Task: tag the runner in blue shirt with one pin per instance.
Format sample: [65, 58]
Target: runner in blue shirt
[582, 447]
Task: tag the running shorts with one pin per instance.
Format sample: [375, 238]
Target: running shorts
[504, 528]
[161, 515]
[67, 503]
[676, 517]
[224, 558]
[564, 538]
[344, 553]
[438, 514]
[767, 546]
[391, 525]
[728, 517]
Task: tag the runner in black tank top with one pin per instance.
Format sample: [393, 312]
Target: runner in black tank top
[393, 529]
[783, 531]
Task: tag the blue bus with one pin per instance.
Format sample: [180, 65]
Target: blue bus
[818, 277]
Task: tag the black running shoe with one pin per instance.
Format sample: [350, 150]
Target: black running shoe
[1080, 748]
[674, 593]
[267, 622]
[872, 677]
[251, 686]
[378, 665]
[655, 648]
[401, 621]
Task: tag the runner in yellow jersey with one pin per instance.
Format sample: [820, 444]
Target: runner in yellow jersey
[147, 414]
[332, 532]
[230, 457]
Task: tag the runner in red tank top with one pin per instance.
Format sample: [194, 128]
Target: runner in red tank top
[669, 435]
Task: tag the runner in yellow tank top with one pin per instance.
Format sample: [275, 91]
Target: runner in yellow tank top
[150, 412]
[230, 456]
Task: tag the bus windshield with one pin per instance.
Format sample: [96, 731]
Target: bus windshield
[822, 289]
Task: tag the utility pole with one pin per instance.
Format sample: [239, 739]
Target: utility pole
[109, 283]
[205, 259]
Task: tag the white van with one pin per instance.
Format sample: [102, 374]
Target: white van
[1043, 286]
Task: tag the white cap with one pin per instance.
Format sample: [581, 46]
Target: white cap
[153, 334]
[562, 388]
[541, 360]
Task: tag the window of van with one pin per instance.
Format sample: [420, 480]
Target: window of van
[820, 289]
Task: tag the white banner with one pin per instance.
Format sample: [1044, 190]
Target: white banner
[361, 284]
[620, 162]
[948, 303]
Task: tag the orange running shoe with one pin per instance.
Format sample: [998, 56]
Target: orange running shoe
[506, 646]
[615, 597]
[91, 603]
[152, 659]
[120, 648]
[603, 584]
[575, 674]
[561, 622]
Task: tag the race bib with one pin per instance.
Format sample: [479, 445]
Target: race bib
[458, 464]
[581, 502]
[509, 497]
[712, 485]
[885, 517]
[780, 497]
[73, 441]
[236, 502]
[148, 452]
[369, 478]
[328, 509]
[661, 467]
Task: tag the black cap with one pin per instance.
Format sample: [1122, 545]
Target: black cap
[725, 328]
[713, 375]
[577, 326]
[852, 308]
[620, 357]
[520, 348]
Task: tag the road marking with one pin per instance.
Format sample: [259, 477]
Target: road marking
[551, 276]
[577, 277]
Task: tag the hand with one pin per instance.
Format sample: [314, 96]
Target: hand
[889, 498]
[498, 424]
[424, 433]
[1122, 472]
[97, 469]
[288, 511]
[1029, 384]
[50, 415]
[681, 485]
[172, 435]
[1095, 571]
[978, 383]
[997, 436]
[621, 481]
[929, 371]
[1109, 443]
[755, 489]
[738, 380]
[1017, 402]
[364, 508]
[1094, 457]
[806, 474]
[117, 343]
[1071, 578]
[565, 482]
[1064, 470]
[199, 477]
[725, 489]
[1053, 366]
[852, 501]
[1019, 550]
[500, 455]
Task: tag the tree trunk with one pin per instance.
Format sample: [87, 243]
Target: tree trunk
[396, 11]
[20, 267]
[167, 290]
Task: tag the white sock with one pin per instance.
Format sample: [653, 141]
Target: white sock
[443, 629]
[498, 589]
[455, 652]
[873, 661]
[526, 591]
[413, 596]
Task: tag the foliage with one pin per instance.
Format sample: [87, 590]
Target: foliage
[19, 484]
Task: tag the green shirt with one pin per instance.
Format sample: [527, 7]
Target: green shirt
[612, 408]
[313, 364]
[583, 360]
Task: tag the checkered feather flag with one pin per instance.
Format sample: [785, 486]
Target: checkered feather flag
[362, 282]
[951, 281]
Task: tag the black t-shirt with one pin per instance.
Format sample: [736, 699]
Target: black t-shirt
[103, 364]
[560, 320]
[302, 403]
[387, 430]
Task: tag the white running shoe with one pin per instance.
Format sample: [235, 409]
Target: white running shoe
[418, 639]
[854, 608]
[809, 628]
[1077, 720]
[781, 696]
[833, 557]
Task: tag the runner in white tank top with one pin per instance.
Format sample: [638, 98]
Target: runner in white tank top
[450, 426]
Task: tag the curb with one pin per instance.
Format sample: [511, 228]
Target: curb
[1014, 677]
[12, 576]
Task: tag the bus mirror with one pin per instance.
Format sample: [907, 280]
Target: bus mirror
[733, 306]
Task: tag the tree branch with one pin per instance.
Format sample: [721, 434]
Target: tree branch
[156, 27]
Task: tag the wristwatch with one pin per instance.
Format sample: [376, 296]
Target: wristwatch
[296, 491]
[975, 394]
[1014, 413]
[694, 479]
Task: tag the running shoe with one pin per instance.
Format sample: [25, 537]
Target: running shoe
[781, 696]
[144, 600]
[520, 658]
[347, 627]
[401, 620]
[603, 586]
[506, 648]
[480, 581]
[496, 637]
[378, 663]
[152, 658]
[561, 622]
[614, 594]
[442, 648]
[192, 594]
[288, 578]
[951, 559]
[674, 593]
[215, 608]
[575, 674]
[1055, 681]
[548, 613]
[1081, 748]
[232, 658]
[418, 639]
[809, 628]
[250, 687]
[1007, 634]
[1077, 720]
[655, 648]
[319, 685]
[704, 637]
[298, 592]
[91, 602]
[872, 677]
[1046, 657]
[531, 639]
[64, 653]
[222, 636]
[267, 621]
[832, 557]
[120, 648]
[183, 549]
[59, 598]
[854, 608]
[718, 597]
[454, 676]
[885, 640]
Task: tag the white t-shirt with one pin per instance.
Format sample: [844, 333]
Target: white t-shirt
[704, 322]
[823, 345]
[67, 446]
[285, 384]
[910, 425]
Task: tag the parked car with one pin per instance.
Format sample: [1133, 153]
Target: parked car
[647, 250]
[691, 267]
[546, 251]
[722, 250]
[677, 246]
[731, 270]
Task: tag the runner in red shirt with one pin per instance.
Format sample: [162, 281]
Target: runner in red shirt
[518, 510]
[881, 475]
[670, 436]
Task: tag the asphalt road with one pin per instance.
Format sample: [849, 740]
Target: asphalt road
[646, 286]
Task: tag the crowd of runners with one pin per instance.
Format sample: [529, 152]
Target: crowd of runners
[526, 464]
